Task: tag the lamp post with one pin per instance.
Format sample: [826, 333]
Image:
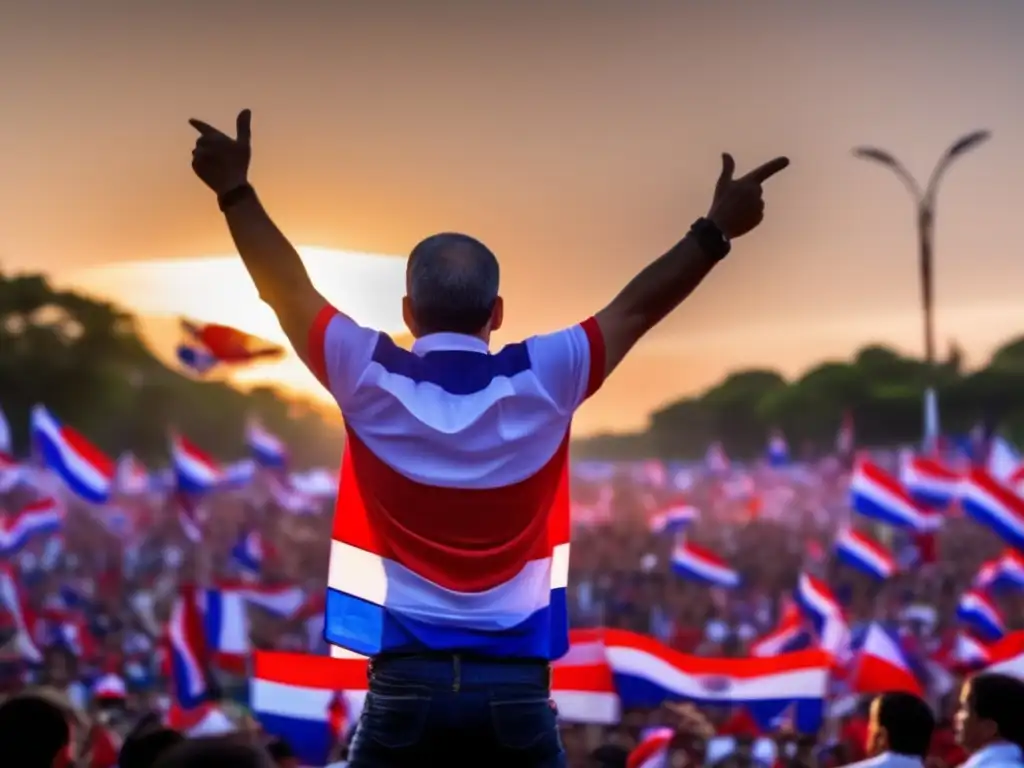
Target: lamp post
[924, 203]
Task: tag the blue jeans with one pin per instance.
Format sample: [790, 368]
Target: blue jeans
[426, 710]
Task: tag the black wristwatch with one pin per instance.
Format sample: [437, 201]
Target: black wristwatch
[711, 239]
[234, 196]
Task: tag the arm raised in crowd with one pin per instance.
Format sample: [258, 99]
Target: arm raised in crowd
[736, 208]
[222, 163]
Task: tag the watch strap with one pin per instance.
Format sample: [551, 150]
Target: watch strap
[711, 239]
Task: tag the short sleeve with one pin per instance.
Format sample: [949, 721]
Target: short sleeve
[339, 351]
[569, 363]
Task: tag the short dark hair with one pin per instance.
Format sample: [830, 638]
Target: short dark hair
[214, 752]
[908, 722]
[452, 283]
[999, 698]
[144, 745]
[33, 731]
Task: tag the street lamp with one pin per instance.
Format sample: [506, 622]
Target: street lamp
[924, 202]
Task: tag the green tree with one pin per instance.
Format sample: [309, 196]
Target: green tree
[880, 387]
[84, 359]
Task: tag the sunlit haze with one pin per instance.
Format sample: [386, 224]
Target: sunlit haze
[578, 140]
[217, 289]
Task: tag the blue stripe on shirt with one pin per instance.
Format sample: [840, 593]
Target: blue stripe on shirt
[457, 372]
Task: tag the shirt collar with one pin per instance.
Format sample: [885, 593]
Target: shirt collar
[1000, 752]
[448, 342]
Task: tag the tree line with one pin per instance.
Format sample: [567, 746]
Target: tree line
[880, 388]
[85, 360]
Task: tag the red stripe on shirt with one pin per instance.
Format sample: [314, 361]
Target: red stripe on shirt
[595, 378]
[316, 343]
[462, 539]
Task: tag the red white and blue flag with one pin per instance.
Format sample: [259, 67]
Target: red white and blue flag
[84, 468]
[186, 644]
[695, 563]
[647, 674]
[266, 448]
[928, 481]
[980, 615]
[882, 665]
[40, 518]
[195, 472]
[878, 496]
[861, 552]
[994, 505]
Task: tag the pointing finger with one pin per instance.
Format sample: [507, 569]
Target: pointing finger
[205, 129]
[764, 172]
[242, 126]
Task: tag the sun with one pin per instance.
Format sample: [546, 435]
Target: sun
[217, 289]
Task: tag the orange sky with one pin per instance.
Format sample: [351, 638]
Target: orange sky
[578, 139]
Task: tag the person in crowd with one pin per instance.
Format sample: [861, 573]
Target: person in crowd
[35, 732]
[215, 752]
[449, 677]
[900, 728]
[282, 753]
[146, 743]
[990, 721]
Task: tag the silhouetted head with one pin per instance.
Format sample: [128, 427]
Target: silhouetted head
[991, 710]
[901, 723]
[34, 732]
[451, 286]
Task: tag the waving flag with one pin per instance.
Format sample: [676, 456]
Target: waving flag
[86, 470]
[229, 345]
[195, 472]
[267, 449]
[675, 517]
[789, 635]
[860, 551]
[187, 647]
[993, 505]
[648, 673]
[225, 627]
[969, 653]
[652, 751]
[1003, 572]
[293, 697]
[39, 518]
[977, 612]
[882, 665]
[582, 684]
[248, 552]
[878, 496]
[820, 607]
[695, 563]
[929, 483]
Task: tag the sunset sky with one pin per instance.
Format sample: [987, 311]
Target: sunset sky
[578, 139]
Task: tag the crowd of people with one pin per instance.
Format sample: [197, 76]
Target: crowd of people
[94, 595]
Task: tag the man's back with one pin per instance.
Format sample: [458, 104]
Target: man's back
[452, 527]
[450, 553]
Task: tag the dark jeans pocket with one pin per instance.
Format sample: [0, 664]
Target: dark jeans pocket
[394, 720]
[526, 725]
